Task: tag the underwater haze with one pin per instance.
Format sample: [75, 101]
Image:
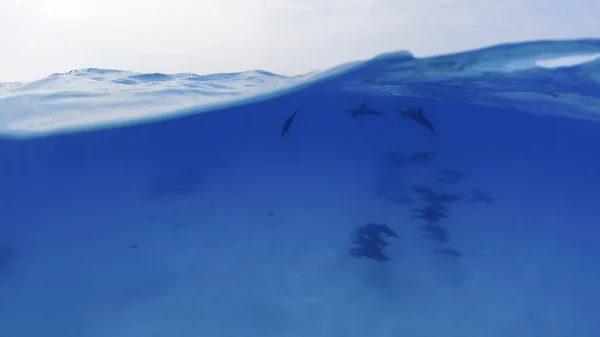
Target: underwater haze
[452, 196]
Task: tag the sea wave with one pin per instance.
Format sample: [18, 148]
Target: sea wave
[502, 75]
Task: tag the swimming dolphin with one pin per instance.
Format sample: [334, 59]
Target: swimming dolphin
[288, 122]
[370, 242]
[417, 116]
[364, 110]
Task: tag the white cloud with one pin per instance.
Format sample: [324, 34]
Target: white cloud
[39, 37]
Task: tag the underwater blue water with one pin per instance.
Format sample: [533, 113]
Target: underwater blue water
[213, 224]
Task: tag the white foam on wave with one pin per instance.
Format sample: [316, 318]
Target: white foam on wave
[567, 61]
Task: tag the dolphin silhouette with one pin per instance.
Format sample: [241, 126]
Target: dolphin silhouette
[288, 122]
[364, 110]
[417, 116]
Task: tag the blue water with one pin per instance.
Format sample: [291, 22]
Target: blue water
[211, 224]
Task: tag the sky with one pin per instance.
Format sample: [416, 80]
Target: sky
[41, 37]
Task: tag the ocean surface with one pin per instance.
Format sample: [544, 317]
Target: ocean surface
[454, 196]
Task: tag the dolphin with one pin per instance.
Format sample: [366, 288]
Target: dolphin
[288, 122]
[417, 116]
[364, 110]
[370, 243]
